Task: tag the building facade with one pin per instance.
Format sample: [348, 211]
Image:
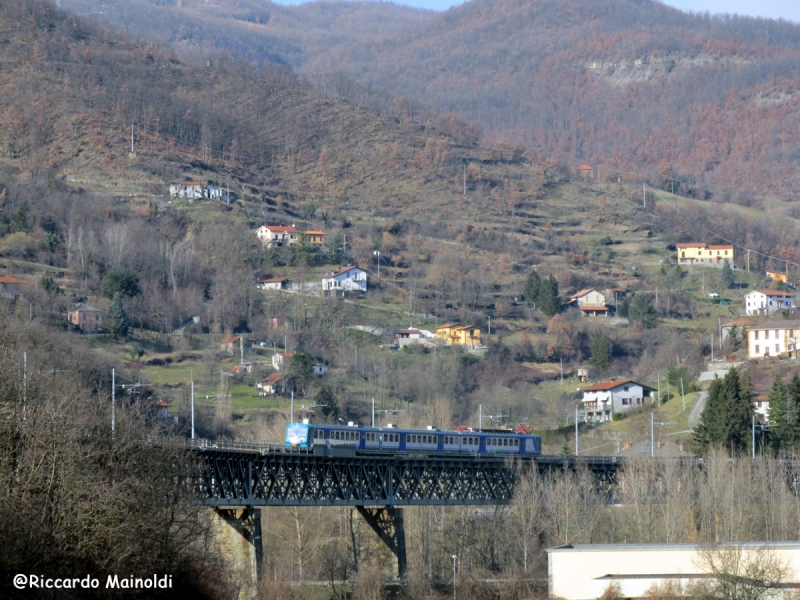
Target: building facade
[455, 334]
[276, 283]
[86, 318]
[766, 302]
[584, 571]
[275, 235]
[698, 253]
[601, 400]
[590, 302]
[343, 281]
[776, 339]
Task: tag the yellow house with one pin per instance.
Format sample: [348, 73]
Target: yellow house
[316, 238]
[456, 334]
[694, 253]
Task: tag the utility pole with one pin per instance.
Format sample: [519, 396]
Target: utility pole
[131, 138]
[465, 179]
[683, 397]
[644, 195]
[113, 399]
[712, 346]
[652, 437]
[754, 437]
[659, 388]
[748, 260]
[291, 416]
[373, 412]
[576, 431]
[192, 407]
[480, 416]
[24, 386]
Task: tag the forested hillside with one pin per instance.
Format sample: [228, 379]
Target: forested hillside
[622, 84]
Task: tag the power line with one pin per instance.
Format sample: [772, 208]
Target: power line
[722, 237]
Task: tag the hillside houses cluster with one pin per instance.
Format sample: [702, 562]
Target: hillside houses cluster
[279, 235]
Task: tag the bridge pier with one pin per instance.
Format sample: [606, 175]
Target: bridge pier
[387, 522]
[239, 533]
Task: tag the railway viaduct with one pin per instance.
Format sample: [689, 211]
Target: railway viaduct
[237, 480]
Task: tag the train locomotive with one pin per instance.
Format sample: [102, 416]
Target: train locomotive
[353, 439]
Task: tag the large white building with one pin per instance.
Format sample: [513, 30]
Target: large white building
[766, 302]
[601, 400]
[581, 572]
[348, 279]
[779, 338]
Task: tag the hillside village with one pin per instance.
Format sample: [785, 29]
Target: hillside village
[751, 326]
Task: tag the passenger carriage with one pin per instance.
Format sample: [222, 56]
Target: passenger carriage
[412, 441]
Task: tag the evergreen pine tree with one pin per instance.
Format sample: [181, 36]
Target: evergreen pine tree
[792, 411]
[739, 399]
[531, 288]
[601, 352]
[778, 428]
[329, 406]
[727, 275]
[641, 309]
[117, 312]
[710, 431]
[547, 298]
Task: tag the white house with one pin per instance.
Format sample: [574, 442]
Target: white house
[189, 190]
[591, 302]
[281, 360]
[348, 279]
[276, 283]
[275, 235]
[779, 338]
[761, 408]
[584, 571]
[406, 337]
[766, 302]
[603, 399]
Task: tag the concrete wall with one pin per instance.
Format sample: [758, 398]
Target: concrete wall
[582, 572]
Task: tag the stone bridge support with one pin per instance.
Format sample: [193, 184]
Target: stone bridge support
[238, 531]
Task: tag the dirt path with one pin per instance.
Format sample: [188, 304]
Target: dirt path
[694, 416]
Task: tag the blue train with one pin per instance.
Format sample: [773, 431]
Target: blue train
[389, 439]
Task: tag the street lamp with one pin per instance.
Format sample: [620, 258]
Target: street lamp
[378, 254]
[454, 576]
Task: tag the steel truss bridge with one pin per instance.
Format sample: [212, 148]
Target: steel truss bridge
[247, 477]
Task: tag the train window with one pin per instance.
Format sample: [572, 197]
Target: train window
[357, 436]
[505, 442]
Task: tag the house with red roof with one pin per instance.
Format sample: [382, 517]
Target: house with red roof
[766, 302]
[9, 286]
[275, 383]
[601, 400]
[586, 171]
[275, 283]
[590, 302]
[700, 253]
[277, 235]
